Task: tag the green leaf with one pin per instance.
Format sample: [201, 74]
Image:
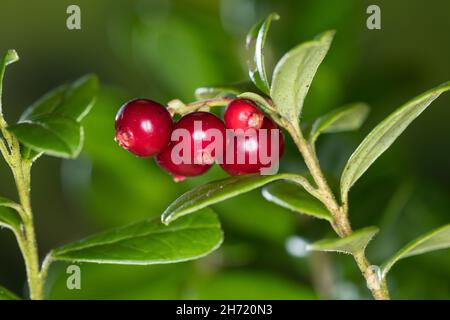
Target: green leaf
[79, 98]
[72, 101]
[45, 105]
[294, 73]
[10, 57]
[149, 242]
[255, 44]
[347, 118]
[5, 294]
[53, 134]
[384, 134]
[9, 218]
[295, 198]
[352, 244]
[435, 240]
[217, 191]
[226, 90]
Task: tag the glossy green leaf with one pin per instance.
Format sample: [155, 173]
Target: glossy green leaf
[435, 240]
[226, 90]
[45, 105]
[217, 191]
[9, 218]
[149, 242]
[72, 101]
[352, 244]
[384, 135]
[255, 45]
[10, 57]
[294, 73]
[347, 118]
[5, 294]
[53, 134]
[79, 98]
[295, 198]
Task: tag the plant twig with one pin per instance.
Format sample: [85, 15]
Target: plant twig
[339, 213]
[178, 107]
[21, 169]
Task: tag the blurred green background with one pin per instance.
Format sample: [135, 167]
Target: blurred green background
[164, 49]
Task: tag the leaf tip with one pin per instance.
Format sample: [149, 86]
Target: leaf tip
[11, 56]
[166, 219]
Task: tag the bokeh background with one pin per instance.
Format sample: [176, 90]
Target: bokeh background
[164, 49]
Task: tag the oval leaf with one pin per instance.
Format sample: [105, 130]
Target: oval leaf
[435, 240]
[72, 101]
[79, 98]
[217, 191]
[294, 73]
[352, 244]
[255, 44]
[45, 105]
[149, 242]
[384, 135]
[347, 118]
[5, 294]
[292, 197]
[9, 218]
[226, 90]
[55, 135]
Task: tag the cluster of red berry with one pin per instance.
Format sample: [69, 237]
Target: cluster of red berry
[145, 127]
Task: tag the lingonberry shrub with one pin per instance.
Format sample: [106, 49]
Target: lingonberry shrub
[52, 126]
[281, 100]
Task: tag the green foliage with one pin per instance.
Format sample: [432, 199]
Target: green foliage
[5, 294]
[434, 240]
[9, 217]
[255, 41]
[294, 73]
[217, 191]
[347, 118]
[51, 125]
[10, 57]
[356, 242]
[55, 135]
[384, 135]
[149, 242]
[294, 198]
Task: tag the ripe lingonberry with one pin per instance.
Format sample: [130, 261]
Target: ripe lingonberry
[143, 127]
[197, 139]
[179, 171]
[251, 151]
[243, 114]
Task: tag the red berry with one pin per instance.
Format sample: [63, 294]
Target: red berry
[243, 114]
[197, 139]
[251, 151]
[143, 127]
[179, 171]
